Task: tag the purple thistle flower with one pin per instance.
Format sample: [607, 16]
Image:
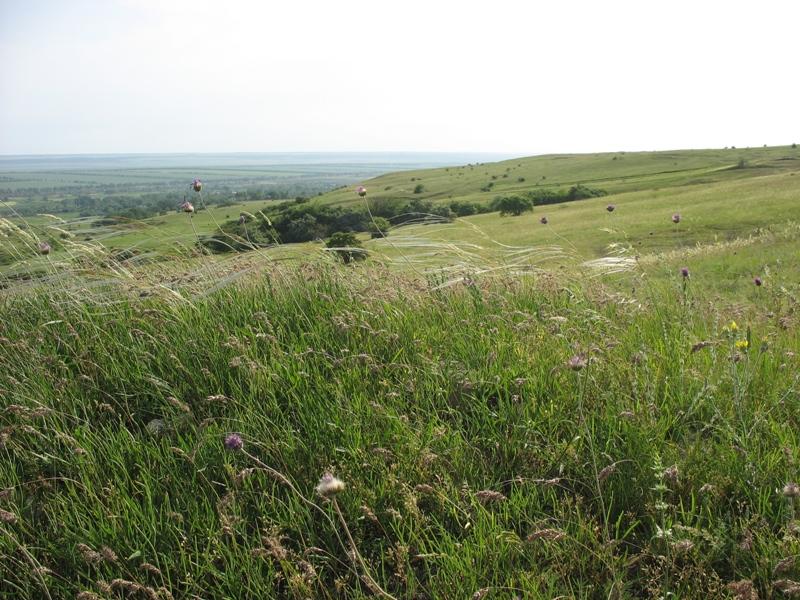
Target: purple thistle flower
[758, 281]
[44, 248]
[676, 218]
[233, 441]
[242, 219]
[577, 362]
[187, 207]
[361, 191]
[685, 272]
[610, 207]
[543, 220]
[197, 185]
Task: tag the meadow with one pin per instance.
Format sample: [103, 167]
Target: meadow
[602, 406]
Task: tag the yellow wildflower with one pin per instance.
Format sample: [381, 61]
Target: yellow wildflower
[742, 344]
[732, 326]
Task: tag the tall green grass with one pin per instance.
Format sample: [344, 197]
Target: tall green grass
[498, 438]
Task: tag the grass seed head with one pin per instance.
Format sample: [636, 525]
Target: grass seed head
[489, 497]
[790, 589]
[7, 517]
[551, 535]
[743, 590]
[670, 474]
[606, 472]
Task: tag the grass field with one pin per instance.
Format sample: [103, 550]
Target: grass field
[496, 438]
[515, 410]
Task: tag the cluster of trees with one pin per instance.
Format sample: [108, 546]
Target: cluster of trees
[303, 221]
[519, 203]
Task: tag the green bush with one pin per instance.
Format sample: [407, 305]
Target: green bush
[513, 205]
[580, 192]
[464, 209]
[346, 246]
[378, 227]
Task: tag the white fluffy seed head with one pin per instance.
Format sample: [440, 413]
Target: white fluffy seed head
[329, 486]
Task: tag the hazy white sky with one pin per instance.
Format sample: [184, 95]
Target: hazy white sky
[526, 77]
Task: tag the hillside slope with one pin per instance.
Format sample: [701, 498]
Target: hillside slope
[614, 172]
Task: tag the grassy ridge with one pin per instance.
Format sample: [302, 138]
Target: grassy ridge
[614, 172]
[496, 438]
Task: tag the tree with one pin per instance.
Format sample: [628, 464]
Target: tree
[514, 205]
[346, 246]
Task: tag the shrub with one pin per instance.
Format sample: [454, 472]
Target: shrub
[514, 205]
[464, 209]
[419, 188]
[378, 227]
[346, 246]
[579, 192]
[442, 211]
[239, 236]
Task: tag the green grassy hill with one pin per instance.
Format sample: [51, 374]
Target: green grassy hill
[614, 172]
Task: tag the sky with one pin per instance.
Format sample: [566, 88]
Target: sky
[523, 77]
